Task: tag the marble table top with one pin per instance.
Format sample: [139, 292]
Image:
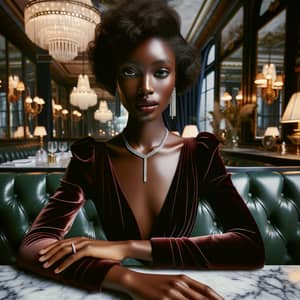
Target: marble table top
[271, 282]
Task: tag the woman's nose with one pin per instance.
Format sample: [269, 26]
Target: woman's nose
[146, 87]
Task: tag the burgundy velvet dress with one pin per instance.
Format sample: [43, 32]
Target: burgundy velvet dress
[200, 173]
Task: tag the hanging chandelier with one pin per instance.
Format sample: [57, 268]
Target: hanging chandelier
[64, 28]
[82, 95]
[269, 82]
[103, 114]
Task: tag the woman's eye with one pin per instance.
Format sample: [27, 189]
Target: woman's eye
[129, 72]
[162, 73]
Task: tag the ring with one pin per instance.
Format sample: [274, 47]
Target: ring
[73, 248]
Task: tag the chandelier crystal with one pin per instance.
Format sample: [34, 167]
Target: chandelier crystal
[82, 95]
[64, 28]
[103, 114]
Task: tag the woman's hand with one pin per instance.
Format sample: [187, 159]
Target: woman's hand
[82, 247]
[157, 286]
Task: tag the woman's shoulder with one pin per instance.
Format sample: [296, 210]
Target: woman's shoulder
[84, 148]
[206, 140]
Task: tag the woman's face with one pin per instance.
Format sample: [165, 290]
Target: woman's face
[146, 79]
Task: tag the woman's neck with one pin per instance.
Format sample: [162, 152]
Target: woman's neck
[144, 136]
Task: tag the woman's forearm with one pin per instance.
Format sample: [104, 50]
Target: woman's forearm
[140, 250]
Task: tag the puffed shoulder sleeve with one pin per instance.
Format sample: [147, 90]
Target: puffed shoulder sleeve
[209, 160]
[80, 171]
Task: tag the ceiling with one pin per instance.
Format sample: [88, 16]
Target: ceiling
[187, 9]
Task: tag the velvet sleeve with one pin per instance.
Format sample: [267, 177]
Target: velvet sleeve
[239, 246]
[56, 218]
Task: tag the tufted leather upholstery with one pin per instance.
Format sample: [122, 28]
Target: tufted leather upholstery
[17, 152]
[272, 197]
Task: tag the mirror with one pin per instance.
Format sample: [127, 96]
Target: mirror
[270, 52]
[3, 107]
[16, 118]
[231, 96]
[30, 80]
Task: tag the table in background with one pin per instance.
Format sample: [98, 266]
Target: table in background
[269, 283]
[30, 165]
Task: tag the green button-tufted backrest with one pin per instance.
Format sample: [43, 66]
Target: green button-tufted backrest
[272, 197]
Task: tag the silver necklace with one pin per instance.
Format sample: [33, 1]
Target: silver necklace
[145, 156]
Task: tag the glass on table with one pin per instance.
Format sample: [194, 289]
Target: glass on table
[52, 148]
[62, 146]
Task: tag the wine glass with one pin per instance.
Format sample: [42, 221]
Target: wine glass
[52, 148]
[62, 146]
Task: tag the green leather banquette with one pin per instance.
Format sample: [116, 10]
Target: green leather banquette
[17, 152]
[273, 198]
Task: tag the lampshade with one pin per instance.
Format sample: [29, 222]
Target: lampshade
[271, 131]
[226, 97]
[190, 131]
[239, 96]
[40, 131]
[292, 111]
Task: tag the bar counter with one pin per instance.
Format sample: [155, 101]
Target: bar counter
[269, 283]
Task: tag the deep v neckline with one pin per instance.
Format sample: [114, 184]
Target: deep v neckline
[124, 200]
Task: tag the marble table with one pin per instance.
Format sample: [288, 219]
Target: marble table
[271, 282]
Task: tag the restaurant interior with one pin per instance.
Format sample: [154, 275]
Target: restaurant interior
[247, 93]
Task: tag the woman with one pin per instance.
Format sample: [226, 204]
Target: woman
[146, 182]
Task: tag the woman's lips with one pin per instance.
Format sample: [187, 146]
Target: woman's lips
[148, 107]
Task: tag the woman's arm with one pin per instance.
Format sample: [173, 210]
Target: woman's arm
[239, 247]
[55, 220]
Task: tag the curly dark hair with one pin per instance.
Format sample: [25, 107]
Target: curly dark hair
[125, 26]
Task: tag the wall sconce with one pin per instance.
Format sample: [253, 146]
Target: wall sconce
[35, 106]
[269, 83]
[15, 88]
[76, 115]
[292, 115]
[56, 110]
[64, 114]
[226, 98]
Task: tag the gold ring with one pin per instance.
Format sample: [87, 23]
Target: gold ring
[73, 248]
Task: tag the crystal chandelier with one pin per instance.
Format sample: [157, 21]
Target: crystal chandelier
[82, 95]
[103, 114]
[269, 82]
[64, 28]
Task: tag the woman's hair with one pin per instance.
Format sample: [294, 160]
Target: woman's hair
[125, 26]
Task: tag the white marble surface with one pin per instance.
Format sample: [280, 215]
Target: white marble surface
[271, 282]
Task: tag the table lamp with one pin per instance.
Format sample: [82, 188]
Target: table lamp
[270, 137]
[41, 154]
[292, 115]
[272, 131]
[190, 131]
